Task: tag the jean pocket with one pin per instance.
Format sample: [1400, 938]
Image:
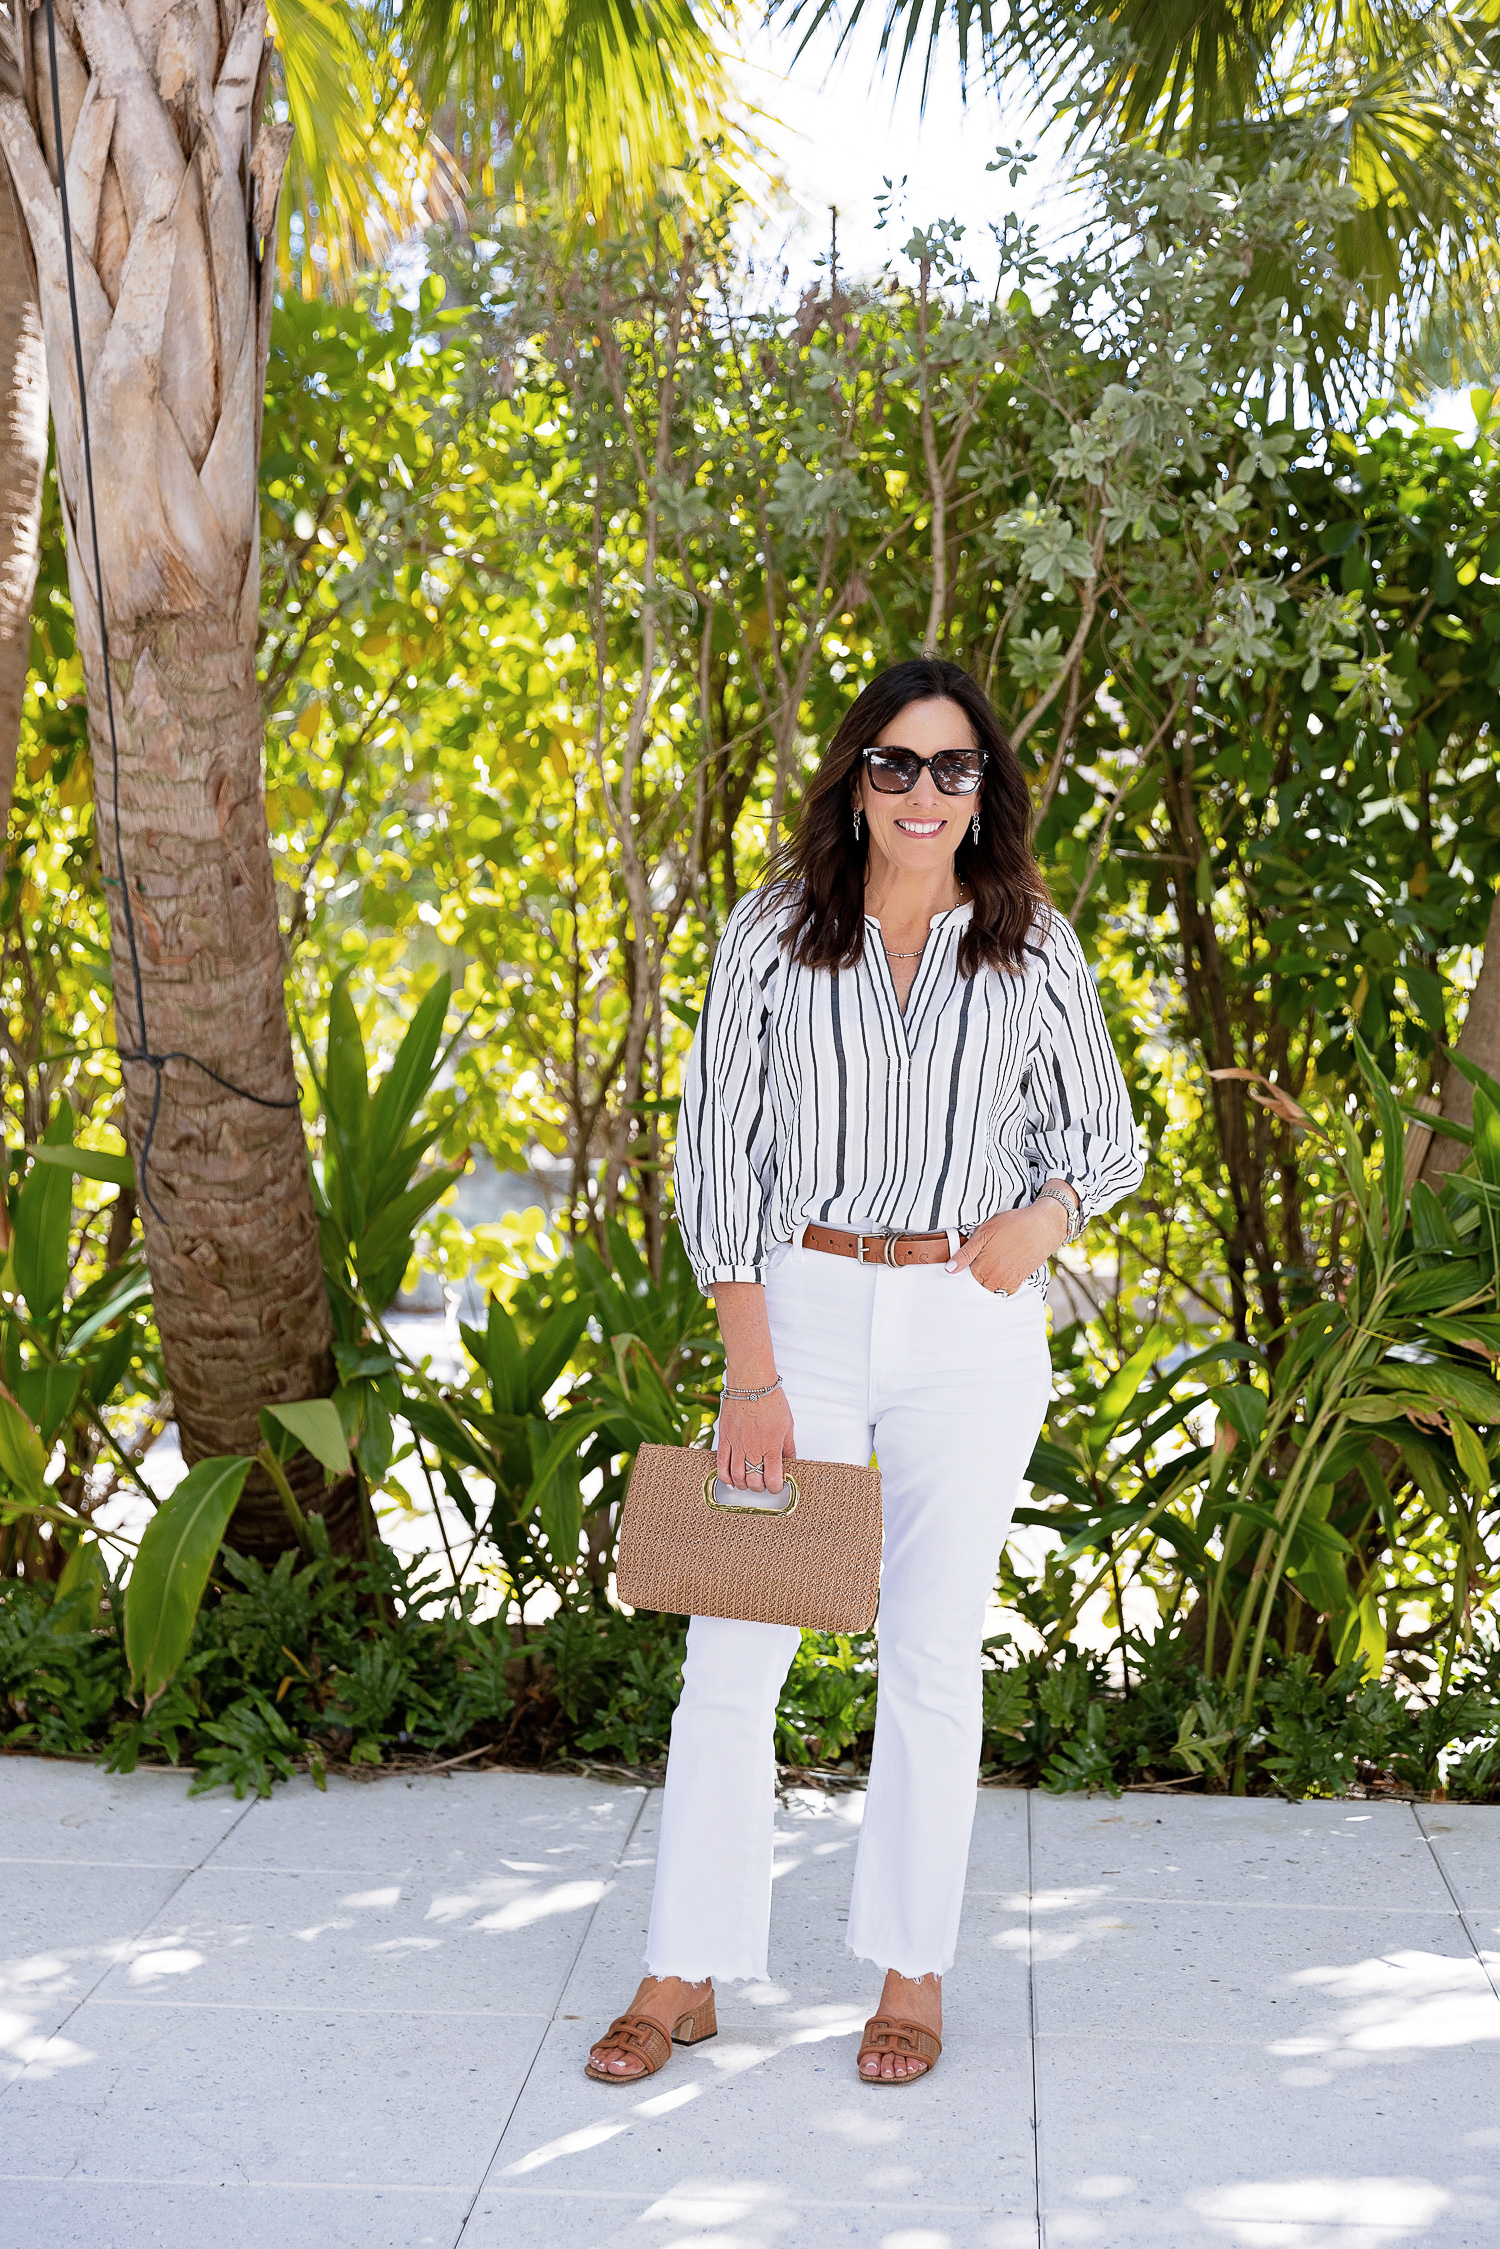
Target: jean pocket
[1022, 1291]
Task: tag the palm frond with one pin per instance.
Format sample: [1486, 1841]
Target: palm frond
[364, 171]
[602, 95]
[911, 35]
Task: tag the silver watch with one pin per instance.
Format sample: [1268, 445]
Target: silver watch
[1074, 1211]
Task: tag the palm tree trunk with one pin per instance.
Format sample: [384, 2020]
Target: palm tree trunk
[172, 185]
[23, 455]
[1479, 1042]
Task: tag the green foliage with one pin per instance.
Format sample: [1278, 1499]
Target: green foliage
[569, 573]
[74, 1348]
[171, 1570]
[1058, 1723]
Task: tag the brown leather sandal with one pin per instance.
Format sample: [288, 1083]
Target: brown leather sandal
[638, 2034]
[885, 2035]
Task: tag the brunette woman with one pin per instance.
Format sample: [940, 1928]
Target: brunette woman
[901, 1100]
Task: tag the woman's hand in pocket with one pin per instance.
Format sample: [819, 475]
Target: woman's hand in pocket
[1006, 1250]
[759, 1430]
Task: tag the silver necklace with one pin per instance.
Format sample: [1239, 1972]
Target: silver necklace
[921, 949]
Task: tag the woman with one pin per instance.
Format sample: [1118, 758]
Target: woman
[901, 1100]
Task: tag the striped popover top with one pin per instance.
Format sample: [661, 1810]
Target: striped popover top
[809, 1096]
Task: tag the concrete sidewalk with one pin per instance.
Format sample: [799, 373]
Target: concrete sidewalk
[358, 2021]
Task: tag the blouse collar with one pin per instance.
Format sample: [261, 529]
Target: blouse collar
[959, 916]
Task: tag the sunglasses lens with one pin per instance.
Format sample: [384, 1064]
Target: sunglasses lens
[892, 772]
[958, 773]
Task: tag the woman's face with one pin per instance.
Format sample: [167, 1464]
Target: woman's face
[920, 832]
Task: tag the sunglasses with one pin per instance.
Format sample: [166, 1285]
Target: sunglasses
[895, 773]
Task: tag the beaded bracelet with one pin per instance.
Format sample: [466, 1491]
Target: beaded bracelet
[748, 1397]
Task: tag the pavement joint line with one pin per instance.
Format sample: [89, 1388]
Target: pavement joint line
[562, 1992]
[219, 2184]
[793, 2201]
[334, 2007]
[404, 2186]
[119, 1866]
[1234, 1905]
[1036, 2112]
[1437, 1859]
[109, 1966]
[1397, 2054]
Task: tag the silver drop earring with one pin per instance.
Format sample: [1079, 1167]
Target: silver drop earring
[974, 827]
[858, 820]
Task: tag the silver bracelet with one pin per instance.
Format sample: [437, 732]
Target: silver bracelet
[748, 1397]
[1074, 1211]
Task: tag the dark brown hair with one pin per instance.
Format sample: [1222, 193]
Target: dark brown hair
[825, 863]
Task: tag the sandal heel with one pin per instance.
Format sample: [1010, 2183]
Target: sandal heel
[700, 2024]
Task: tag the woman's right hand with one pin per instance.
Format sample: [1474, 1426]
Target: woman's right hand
[755, 1431]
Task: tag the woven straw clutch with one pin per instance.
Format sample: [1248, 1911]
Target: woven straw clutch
[814, 1562]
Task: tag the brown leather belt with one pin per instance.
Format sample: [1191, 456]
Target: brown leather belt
[881, 1249]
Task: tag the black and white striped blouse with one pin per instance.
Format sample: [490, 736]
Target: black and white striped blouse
[809, 1096]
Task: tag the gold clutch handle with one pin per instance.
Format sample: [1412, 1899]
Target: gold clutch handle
[727, 1507]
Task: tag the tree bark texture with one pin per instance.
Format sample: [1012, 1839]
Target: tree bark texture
[172, 183]
[1479, 1042]
[23, 453]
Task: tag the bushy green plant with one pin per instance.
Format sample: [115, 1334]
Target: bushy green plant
[827, 1707]
[1060, 1724]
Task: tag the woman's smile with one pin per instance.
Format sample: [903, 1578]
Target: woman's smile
[919, 827]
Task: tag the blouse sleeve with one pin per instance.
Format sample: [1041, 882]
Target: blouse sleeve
[725, 1141]
[1079, 1122]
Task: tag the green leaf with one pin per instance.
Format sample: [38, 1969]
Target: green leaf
[1481, 1080]
[555, 1444]
[449, 1435]
[315, 1423]
[389, 1233]
[1374, 1411]
[1244, 1408]
[1472, 1457]
[1392, 1136]
[1363, 1637]
[171, 1570]
[44, 1208]
[129, 1284]
[1050, 1469]
[1432, 1228]
[1445, 1127]
[88, 1163]
[45, 1394]
[549, 1354]
[348, 1091]
[1475, 1331]
[1486, 1137]
[406, 1083]
[23, 1457]
[83, 1574]
[498, 1351]
[556, 1494]
[1427, 991]
[1113, 1400]
[1471, 1393]
[1455, 1281]
[377, 1439]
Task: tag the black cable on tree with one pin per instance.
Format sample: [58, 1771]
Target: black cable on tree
[156, 1063]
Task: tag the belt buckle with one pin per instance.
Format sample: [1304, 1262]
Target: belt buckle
[887, 1251]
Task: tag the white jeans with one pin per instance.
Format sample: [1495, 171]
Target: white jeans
[948, 1385]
